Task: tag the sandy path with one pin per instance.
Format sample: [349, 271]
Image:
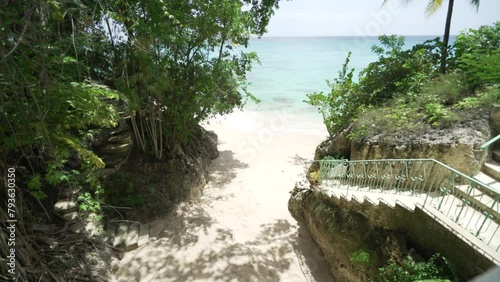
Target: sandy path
[240, 228]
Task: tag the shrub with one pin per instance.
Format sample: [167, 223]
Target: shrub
[438, 115]
[481, 68]
[400, 117]
[477, 53]
[403, 90]
[340, 105]
[398, 71]
[485, 98]
[437, 267]
[360, 256]
[485, 38]
[446, 89]
[313, 177]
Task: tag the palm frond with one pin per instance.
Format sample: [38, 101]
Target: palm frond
[474, 3]
[433, 6]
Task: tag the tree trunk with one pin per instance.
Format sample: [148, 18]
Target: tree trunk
[446, 37]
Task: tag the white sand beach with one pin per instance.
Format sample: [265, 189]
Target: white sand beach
[240, 229]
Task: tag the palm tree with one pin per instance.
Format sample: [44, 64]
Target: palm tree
[432, 7]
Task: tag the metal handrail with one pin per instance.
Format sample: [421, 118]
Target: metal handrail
[484, 148]
[468, 202]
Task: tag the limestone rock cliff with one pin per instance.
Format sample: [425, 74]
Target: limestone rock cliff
[357, 236]
[457, 146]
[343, 234]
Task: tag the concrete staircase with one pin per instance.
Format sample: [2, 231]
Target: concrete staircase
[116, 148]
[450, 211]
[126, 235]
[122, 234]
[67, 208]
[372, 196]
[114, 151]
[490, 171]
[490, 175]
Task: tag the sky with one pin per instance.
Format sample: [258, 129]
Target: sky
[367, 17]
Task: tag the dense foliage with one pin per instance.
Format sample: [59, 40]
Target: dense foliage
[432, 7]
[174, 63]
[477, 54]
[178, 64]
[404, 89]
[437, 268]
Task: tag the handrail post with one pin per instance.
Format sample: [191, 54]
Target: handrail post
[481, 161]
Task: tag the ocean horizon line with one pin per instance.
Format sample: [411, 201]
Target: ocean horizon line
[345, 36]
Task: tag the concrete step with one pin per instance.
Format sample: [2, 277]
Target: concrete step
[492, 168]
[121, 128]
[495, 155]
[119, 105]
[113, 162]
[467, 216]
[106, 171]
[143, 235]
[480, 201]
[489, 246]
[127, 235]
[132, 237]
[69, 192]
[373, 196]
[115, 149]
[122, 138]
[65, 206]
[109, 236]
[71, 217]
[488, 180]
[120, 235]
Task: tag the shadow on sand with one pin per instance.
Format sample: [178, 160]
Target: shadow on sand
[178, 255]
[223, 169]
[192, 245]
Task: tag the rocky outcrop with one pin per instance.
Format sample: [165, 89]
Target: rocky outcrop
[161, 184]
[353, 247]
[337, 145]
[191, 159]
[358, 236]
[151, 187]
[457, 147]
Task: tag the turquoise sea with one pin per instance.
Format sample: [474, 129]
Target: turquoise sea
[291, 67]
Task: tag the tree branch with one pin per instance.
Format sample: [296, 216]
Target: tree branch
[17, 44]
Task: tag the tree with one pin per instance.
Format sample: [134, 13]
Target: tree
[49, 104]
[432, 7]
[176, 62]
[181, 62]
